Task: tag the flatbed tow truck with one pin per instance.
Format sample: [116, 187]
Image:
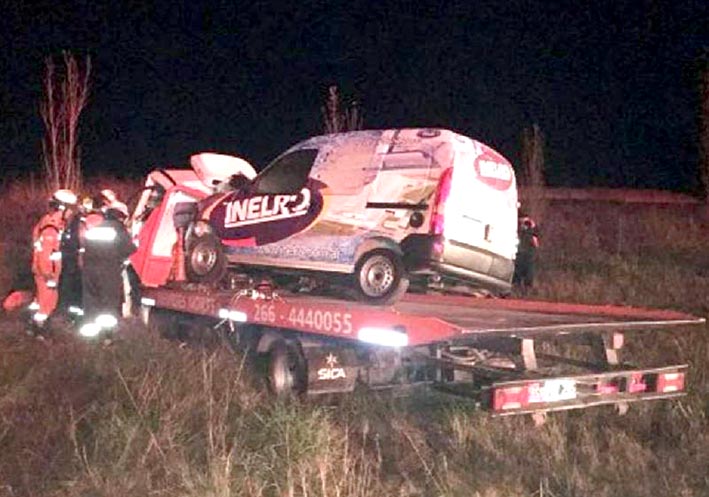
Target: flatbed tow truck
[511, 356]
[503, 353]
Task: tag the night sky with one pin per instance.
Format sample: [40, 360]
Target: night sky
[614, 85]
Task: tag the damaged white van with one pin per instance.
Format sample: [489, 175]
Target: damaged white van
[378, 208]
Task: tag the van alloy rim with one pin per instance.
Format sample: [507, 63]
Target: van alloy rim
[203, 259]
[377, 276]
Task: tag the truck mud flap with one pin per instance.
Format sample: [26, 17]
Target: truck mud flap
[331, 369]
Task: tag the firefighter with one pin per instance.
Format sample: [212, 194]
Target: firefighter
[70, 278]
[47, 256]
[72, 247]
[110, 200]
[106, 247]
[526, 252]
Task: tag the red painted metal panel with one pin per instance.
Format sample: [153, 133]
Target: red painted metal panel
[426, 319]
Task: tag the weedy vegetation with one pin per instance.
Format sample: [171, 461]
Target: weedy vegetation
[147, 417]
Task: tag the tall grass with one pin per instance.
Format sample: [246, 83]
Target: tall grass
[24, 200]
[146, 417]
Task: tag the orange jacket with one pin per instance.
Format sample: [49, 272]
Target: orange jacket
[46, 238]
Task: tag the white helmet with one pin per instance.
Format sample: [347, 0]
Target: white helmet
[109, 196]
[64, 197]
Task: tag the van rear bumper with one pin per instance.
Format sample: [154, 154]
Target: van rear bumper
[431, 253]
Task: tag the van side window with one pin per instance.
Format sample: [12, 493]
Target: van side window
[287, 174]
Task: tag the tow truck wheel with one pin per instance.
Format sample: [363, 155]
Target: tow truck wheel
[380, 277]
[205, 261]
[287, 371]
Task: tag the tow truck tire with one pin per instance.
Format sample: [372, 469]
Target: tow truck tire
[205, 261]
[287, 370]
[380, 277]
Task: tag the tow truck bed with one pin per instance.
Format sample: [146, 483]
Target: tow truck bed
[426, 319]
[460, 339]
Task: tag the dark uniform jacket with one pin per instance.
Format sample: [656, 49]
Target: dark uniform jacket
[106, 247]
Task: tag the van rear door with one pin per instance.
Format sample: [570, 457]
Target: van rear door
[481, 207]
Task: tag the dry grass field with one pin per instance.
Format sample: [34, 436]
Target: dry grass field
[145, 417]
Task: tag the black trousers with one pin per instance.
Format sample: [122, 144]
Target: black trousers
[70, 285]
[102, 289]
[524, 269]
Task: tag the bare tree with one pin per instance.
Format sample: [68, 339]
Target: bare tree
[65, 95]
[704, 133]
[337, 119]
[533, 172]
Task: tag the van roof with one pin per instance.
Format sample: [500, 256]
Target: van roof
[378, 134]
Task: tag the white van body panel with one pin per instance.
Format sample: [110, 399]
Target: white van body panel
[324, 199]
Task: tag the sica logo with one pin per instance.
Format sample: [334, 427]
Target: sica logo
[332, 371]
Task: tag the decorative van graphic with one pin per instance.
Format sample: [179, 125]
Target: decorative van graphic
[265, 208]
[494, 170]
[247, 220]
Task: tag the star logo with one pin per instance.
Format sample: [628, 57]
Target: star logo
[331, 360]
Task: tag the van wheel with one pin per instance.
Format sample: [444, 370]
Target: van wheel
[287, 370]
[380, 277]
[205, 261]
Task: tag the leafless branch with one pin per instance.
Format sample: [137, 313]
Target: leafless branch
[65, 96]
[336, 119]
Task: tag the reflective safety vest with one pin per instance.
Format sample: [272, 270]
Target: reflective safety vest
[89, 222]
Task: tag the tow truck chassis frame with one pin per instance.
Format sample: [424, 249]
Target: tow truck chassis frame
[497, 352]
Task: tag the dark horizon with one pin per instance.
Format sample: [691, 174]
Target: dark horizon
[614, 86]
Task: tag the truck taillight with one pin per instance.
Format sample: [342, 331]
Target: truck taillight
[670, 382]
[515, 397]
[439, 204]
[606, 387]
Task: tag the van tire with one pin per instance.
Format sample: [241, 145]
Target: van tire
[380, 277]
[205, 261]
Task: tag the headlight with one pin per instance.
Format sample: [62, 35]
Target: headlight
[237, 316]
[383, 336]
